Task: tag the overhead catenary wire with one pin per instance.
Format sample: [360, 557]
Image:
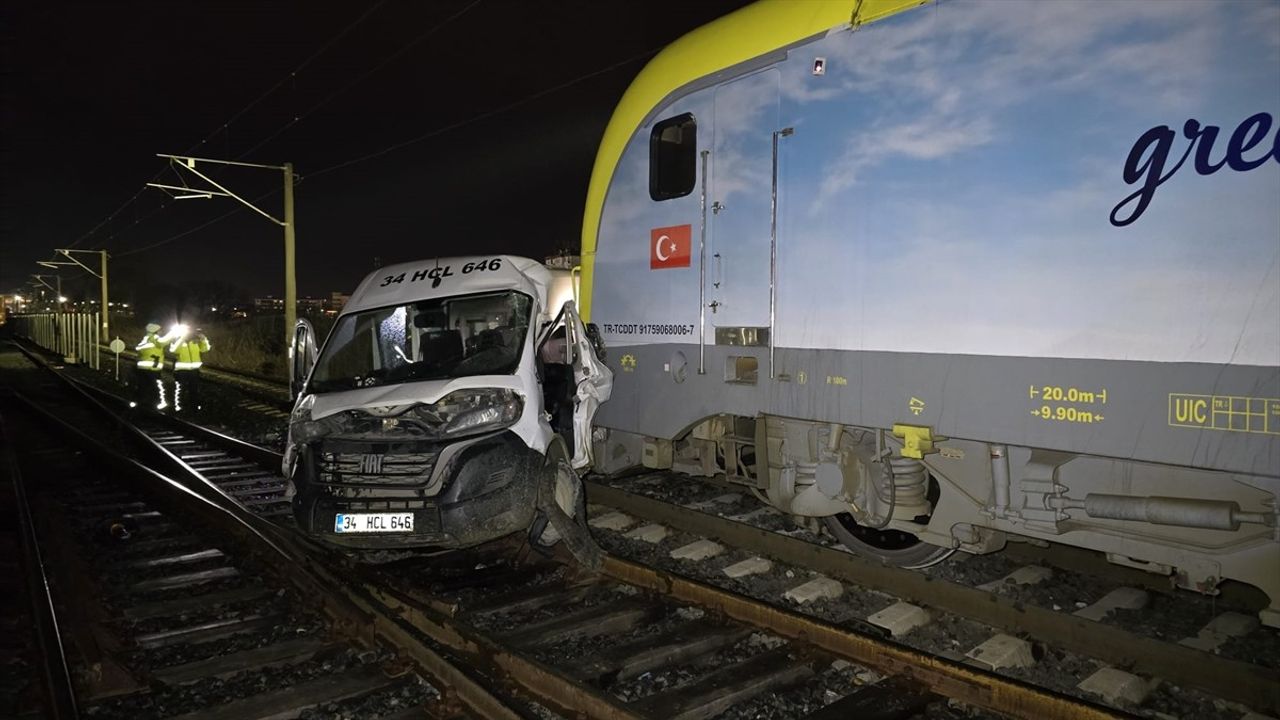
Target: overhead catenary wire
[426, 136]
[346, 30]
[191, 231]
[411, 141]
[166, 241]
[484, 115]
[294, 121]
[292, 75]
[386, 61]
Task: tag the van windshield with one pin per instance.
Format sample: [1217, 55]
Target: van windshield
[433, 339]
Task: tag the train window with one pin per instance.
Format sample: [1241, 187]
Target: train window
[673, 151]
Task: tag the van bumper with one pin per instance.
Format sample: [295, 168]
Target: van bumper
[487, 490]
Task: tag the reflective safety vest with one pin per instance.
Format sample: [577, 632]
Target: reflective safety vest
[151, 353]
[188, 352]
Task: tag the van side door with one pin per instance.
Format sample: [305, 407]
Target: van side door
[569, 356]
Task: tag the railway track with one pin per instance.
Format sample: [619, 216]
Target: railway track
[1131, 626]
[635, 642]
[165, 617]
[1126, 638]
[238, 469]
[992, 612]
[265, 389]
[651, 624]
[178, 598]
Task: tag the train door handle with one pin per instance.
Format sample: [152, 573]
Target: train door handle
[719, 269]
[716, 207]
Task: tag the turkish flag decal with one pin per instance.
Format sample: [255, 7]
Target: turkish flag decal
[670, 247]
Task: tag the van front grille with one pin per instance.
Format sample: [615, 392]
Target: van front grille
[347, 468]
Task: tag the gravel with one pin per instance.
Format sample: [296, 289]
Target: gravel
[410, 692]
[1169, 617]
[225, 407]
[164, 701]
[289, 626]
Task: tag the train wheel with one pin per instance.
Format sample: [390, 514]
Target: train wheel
[891, 547]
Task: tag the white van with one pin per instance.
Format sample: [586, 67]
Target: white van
[450, 405]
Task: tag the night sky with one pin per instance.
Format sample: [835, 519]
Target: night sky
[507, 102]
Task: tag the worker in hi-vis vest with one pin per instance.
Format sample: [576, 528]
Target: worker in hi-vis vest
[148, 378]
[187, 349]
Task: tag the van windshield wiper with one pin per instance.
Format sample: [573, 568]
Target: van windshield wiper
[373, 379]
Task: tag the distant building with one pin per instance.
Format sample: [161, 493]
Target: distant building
[563, 262]
[273, 304]
[268, 304]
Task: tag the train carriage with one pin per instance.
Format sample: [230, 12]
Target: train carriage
[948, 276]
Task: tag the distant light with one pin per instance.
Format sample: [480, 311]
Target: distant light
[62, 298]
[213, 308]
[124, 304]
[19, 298]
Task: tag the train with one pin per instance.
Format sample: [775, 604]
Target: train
[941, 277]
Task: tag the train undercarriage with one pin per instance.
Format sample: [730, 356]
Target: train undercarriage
[907, 498]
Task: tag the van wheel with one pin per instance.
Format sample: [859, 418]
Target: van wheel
[567, 493]
[563, 506]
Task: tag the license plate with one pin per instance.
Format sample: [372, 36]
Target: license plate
[372, 522]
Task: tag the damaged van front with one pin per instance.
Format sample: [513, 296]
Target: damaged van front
[427, 419]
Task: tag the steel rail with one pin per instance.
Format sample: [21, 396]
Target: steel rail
[268, 459]
[291, 555]
[1250, 684]
[251, 381]
[59, 689]
[543, 681]
[965, 683]
[962, 682]
[350, 610]
[397, 616]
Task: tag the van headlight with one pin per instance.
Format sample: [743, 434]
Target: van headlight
[308, 430]
[302, 428]
[475, 410]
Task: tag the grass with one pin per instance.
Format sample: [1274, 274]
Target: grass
[254, 345]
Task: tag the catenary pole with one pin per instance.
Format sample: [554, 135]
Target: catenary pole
[188, 164]
[290, 276]
[106, 313]
[101, 274]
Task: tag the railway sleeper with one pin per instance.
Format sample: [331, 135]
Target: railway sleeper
[712, 694]
[288, 652]
[676, 645]
[893, 698]
[601, 619]
[208, 631]
[293, 700]
[179, 606]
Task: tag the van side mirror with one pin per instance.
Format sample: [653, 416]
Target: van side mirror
[302, 356]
